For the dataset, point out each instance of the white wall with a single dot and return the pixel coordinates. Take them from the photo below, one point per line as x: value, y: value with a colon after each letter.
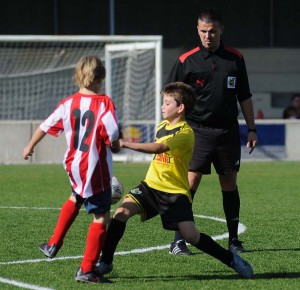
x: 15, y: 135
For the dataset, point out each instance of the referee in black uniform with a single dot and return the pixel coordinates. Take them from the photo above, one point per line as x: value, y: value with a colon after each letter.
x: 218, y: 75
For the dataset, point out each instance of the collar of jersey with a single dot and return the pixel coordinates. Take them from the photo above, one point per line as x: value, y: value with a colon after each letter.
x: 206, y: 53
x: 170, y: 127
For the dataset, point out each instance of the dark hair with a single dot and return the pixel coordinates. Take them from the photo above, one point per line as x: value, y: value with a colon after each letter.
x: 295, y: 96
x: 182, y: 94
x: 210, y: 15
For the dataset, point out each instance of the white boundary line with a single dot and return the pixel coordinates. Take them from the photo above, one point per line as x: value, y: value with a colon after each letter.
x: 241, y: 229
x: 22, y: 285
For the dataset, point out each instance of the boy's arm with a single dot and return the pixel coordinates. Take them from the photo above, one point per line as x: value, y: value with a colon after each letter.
x: 152, y: 148
x: 115, y: 146
x: 38, y: 135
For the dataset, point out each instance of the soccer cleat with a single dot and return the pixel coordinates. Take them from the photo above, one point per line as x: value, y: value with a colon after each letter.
x: 104, y: 268
x: 49, y: 251
x: 179, y: 248
x: 236, y: 246
x: 242, y: 267
x: 90, y: 277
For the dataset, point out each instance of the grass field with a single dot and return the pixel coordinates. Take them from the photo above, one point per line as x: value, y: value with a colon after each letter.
x: 31, y: 196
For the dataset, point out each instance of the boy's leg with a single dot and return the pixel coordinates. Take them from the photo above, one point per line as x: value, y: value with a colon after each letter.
x: 206, y: 244
x: 178, y: 246
x: 95, y: 238
x: 209, y: 246
x: 68, y: 214
x: 114, y: 234
x: 94, y: 243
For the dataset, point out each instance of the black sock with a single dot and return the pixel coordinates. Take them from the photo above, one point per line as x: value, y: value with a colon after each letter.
x: 178, y: 235
x: 231, y: 206
x: 114, y: 234
x: 193, y: 192
x: 210, y: 247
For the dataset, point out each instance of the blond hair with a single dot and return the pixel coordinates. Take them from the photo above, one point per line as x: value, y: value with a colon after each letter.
x: 87, y: 70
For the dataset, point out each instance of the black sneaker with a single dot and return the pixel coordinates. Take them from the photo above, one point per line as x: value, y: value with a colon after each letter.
x: 92, y: 277
x: 179, y: 248
x: 104, y: 268
x: 49, y: 251
x: 236, y: 246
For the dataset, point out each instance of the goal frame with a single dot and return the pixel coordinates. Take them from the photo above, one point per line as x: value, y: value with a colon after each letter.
x: 111, y: 42
x: 158, y: 69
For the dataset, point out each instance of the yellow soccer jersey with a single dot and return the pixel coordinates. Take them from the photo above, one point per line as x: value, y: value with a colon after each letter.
x: 168, y: 171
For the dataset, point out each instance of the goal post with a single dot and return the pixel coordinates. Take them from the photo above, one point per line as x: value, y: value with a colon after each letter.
x: 36, y: 73
x: 135, y: 89
x: 132, y: 51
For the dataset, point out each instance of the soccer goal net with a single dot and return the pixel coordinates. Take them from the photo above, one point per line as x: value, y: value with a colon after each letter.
x: 36, y: 73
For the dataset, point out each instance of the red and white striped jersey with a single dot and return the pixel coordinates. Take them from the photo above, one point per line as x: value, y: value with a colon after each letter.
x: 90, y: 125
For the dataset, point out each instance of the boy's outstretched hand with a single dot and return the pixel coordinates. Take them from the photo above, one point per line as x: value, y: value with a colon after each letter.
x: 27, y: 152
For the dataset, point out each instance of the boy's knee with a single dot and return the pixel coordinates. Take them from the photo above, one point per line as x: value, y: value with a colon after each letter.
x: 122, y: 214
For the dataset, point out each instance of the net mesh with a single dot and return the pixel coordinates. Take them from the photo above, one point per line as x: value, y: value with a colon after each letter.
x: 36, y: 74
x: 133, y: 91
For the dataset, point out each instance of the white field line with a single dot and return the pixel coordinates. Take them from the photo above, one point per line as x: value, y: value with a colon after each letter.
x: 22, y: 285
x: 241, y: 229
x: 28, y: 207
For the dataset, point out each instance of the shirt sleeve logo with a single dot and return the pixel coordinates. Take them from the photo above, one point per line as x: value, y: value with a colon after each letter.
x: 231, y: 82
x: 200, y: 82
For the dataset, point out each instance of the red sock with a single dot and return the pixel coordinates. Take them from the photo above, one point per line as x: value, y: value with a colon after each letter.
x: 94, y: 243
x: 68, y: 214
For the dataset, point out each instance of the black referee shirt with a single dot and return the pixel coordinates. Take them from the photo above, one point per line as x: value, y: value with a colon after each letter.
x: 219, y: 79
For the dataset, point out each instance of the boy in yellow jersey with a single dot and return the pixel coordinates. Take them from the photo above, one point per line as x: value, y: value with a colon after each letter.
x: 165, y: 190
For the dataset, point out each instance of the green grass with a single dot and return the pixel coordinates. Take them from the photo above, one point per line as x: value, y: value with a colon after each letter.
x: 270, y: 195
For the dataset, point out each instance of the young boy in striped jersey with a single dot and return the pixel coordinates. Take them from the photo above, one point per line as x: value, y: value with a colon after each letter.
x: 89, y: 122
x: 165, y: 190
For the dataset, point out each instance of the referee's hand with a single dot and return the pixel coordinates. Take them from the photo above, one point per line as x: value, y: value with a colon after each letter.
x: 252, y: 141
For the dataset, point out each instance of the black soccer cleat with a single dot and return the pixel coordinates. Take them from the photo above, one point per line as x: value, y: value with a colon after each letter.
x: 236, y: 246
x: 49, y: 251
x: 104, y: 268
x: 92, y: 277
x: 179, y: 248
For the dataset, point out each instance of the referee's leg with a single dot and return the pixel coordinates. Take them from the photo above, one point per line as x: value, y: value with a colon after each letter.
x: 231, y: 206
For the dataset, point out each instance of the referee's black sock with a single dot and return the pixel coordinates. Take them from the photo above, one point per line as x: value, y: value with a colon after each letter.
x: 178, y: 235
x: 114, y: 234
x: 210, y: 247
x: 231, y: 206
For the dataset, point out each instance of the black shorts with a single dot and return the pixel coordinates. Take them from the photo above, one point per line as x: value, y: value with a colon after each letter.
x: 220, y: 147
x: 172, y: 208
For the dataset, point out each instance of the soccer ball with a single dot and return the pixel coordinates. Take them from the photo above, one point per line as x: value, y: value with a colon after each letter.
x: 116, y: 190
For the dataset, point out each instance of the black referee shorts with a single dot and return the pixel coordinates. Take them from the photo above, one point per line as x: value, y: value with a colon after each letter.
x: 172, y: 208
x: 220, y: 147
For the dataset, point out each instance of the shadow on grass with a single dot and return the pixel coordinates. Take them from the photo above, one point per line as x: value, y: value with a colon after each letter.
x: 261, y: 276
x: 272, y: 250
